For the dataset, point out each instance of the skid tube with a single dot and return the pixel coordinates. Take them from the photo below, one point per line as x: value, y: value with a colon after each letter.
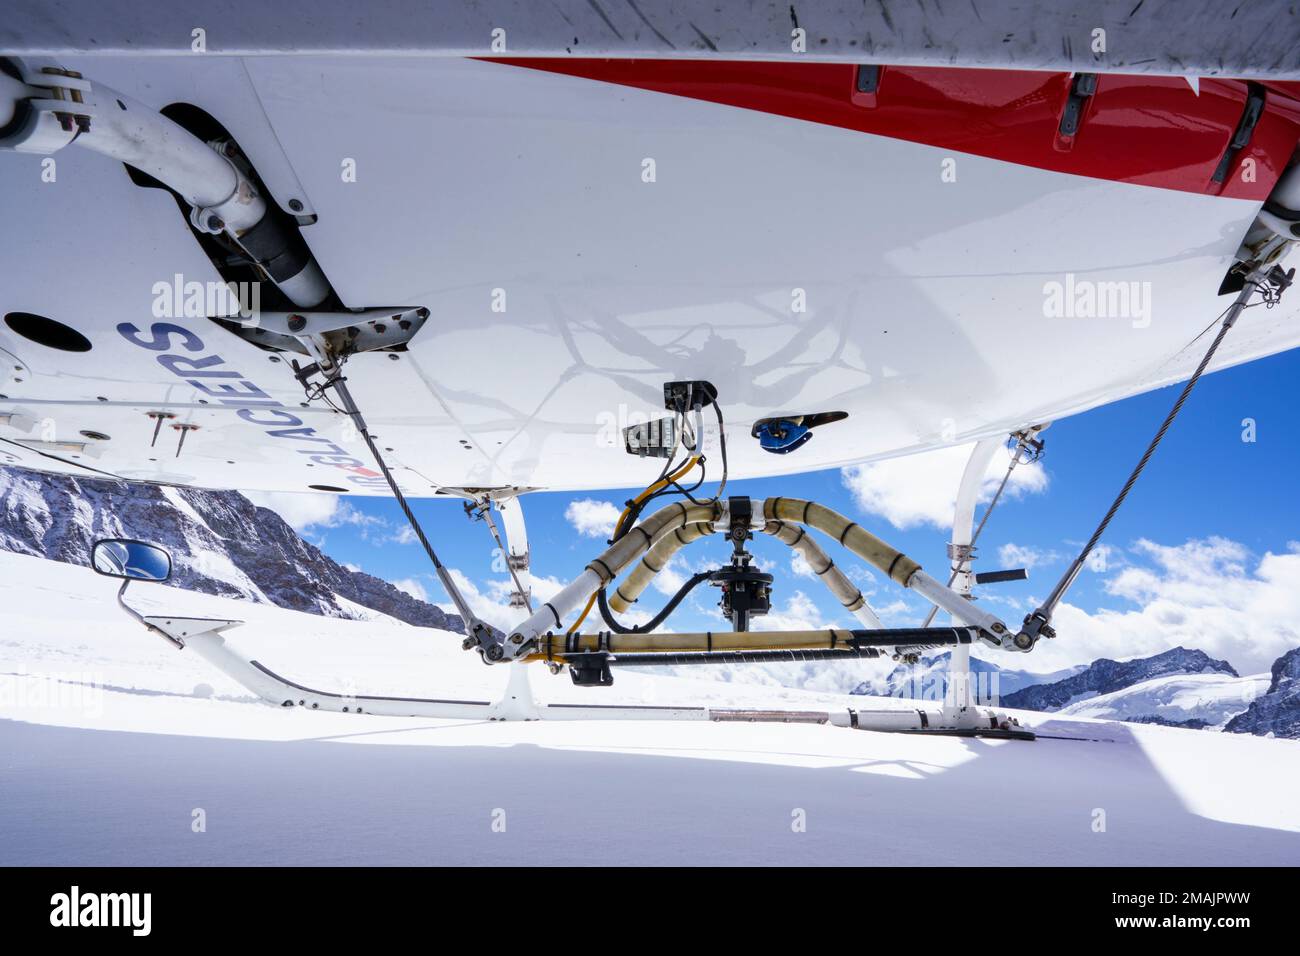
x: 206, y: 638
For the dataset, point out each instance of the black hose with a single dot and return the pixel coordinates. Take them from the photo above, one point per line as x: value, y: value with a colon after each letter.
x: 744, y: 657
x: 659, y: 618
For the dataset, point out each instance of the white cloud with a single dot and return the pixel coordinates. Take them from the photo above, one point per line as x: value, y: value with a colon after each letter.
x: 591, y: 518
x: 899, y: 613
x: 799, y: 614
x: 1025, y: 556
x: 922, y: 488
x: 800, y: 567
x: 299, y: 510
x: 1101, y: 559
x: 492, y: 601
x: 672, y: 576
x: 413, y: 587
x: 303, y: 512
x: 861, y: 576
x: 372, y: 527
x: 543, y: 588
x: 1204, y: 594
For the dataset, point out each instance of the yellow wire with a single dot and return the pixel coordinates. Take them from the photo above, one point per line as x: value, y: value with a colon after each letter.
x: 583, y: 616
x: 657, y: 486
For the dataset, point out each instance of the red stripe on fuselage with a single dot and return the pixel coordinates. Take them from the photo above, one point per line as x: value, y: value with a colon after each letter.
x: 1146, y: 130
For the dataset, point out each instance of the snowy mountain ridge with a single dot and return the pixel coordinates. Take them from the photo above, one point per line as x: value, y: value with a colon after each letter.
x: 1197, y: 701
x: 1177, y: 688
x: 221, y: 544
x: 1105, y: 676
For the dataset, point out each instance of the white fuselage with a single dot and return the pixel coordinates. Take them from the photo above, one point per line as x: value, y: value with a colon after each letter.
x: 934, y: 295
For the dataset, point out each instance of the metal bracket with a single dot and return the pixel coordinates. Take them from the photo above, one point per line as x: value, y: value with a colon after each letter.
x: 1250, y: 116
x: 961, y: 553
x: 1082, y: 88
x: 341, y: 333
x: 53, y: 118
x: 866, y: 85
x: 590, y: 670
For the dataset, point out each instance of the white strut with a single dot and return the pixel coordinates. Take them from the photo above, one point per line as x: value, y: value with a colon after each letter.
x: 959, y: 700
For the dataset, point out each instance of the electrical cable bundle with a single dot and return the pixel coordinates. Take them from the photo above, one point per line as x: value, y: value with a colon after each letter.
x: 668, y: 483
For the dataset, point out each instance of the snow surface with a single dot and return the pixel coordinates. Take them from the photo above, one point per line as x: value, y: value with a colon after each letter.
x: 1214, y: 698
x: 111, y: 741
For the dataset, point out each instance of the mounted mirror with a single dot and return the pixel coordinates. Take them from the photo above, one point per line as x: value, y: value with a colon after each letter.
x: 133, y: 560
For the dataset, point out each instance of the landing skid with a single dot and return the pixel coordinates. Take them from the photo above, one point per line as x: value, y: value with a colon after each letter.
x: 590, y: 655
x: 205, y: 637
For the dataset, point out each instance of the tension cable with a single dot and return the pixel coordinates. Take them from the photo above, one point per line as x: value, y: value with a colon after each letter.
x: 478, y: 633
x: 1271, y: 284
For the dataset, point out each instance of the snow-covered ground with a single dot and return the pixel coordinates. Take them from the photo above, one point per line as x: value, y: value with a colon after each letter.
x: 113, y: 745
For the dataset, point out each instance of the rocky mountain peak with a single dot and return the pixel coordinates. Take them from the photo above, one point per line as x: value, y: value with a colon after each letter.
x: 1278, y: 711
x: 221, y: 543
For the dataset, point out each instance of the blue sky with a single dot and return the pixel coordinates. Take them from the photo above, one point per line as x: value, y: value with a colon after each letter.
x: 1203, y: 553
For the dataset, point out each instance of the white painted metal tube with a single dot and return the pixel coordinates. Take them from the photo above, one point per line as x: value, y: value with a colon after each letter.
x: 961, y: 609
x: 221, y: 197
x: 277, y: 690
x: 930, y: 719
x: 516, y: 535
x: 204, y: 638
x: 551, y: 615
x: 867, y: 617
x: 968, y: 491
x: 140, y: 136
x: 959, y: 692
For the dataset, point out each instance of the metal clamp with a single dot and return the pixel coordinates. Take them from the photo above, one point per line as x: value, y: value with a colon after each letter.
x: 961, y: 554
x: 54, y: 116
